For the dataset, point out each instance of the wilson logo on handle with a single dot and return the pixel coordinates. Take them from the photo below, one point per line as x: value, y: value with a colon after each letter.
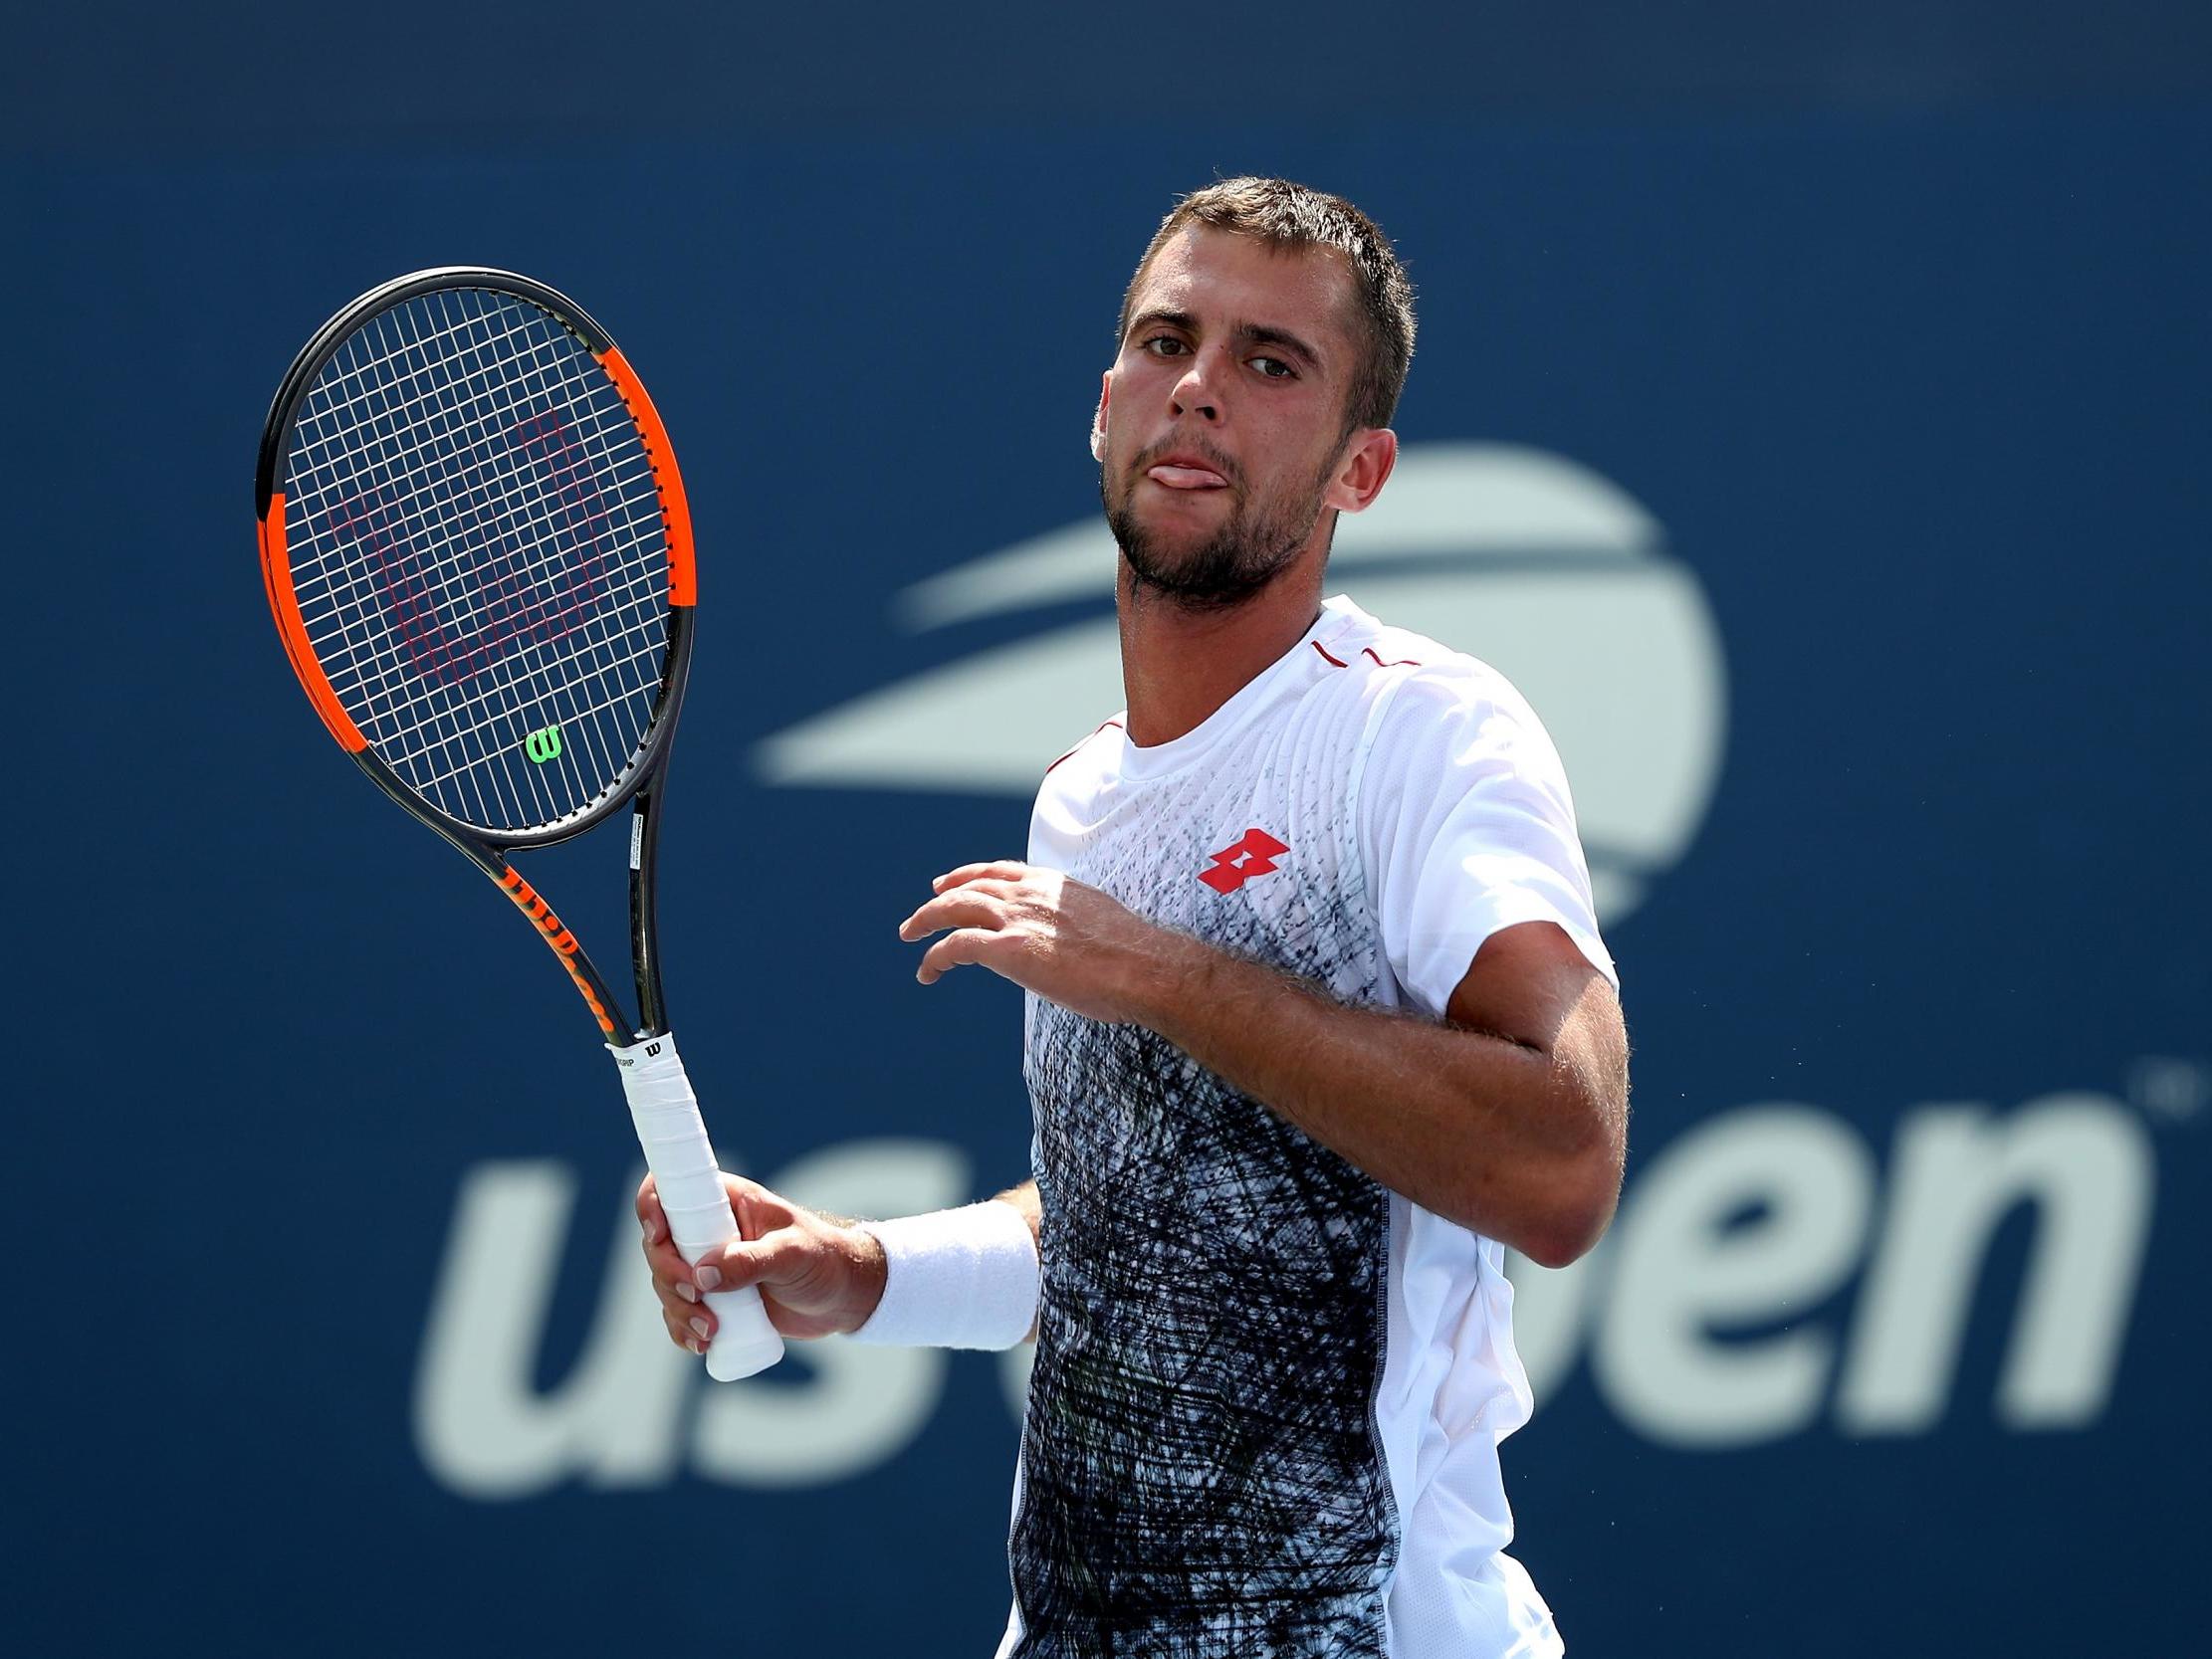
x: 543, y: 744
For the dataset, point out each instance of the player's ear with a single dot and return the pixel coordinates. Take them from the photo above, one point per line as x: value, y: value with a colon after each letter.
x: 1098, y: 420
x: 1367, y: 461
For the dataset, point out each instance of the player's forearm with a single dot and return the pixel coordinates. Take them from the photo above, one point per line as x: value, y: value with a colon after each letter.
x: 1515, y: 1142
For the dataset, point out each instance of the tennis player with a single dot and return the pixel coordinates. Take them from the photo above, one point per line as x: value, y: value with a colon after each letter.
x: 1318, y: 1023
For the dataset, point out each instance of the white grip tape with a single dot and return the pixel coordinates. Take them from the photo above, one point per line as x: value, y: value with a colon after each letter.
x: 682, y: 1159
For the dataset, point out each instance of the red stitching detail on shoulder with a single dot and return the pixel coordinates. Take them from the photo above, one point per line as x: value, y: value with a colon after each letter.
x: 1071, y: 753
x: 1403, y: 662
x: 1335, y: 662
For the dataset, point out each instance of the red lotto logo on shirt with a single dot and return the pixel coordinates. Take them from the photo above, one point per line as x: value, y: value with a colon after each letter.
x: 1237, y: 863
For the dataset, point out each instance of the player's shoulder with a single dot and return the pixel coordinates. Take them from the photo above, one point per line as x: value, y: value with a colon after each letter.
x: 1091, y: 749
x: 1403, y: 676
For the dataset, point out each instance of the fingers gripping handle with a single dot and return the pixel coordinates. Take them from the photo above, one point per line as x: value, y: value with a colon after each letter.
x: 677, y: 1151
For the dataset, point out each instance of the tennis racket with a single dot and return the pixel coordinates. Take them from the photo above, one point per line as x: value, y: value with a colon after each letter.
x: 479, y: 556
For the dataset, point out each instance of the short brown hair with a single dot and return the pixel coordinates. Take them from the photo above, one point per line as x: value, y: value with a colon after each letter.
x: 1289, y: 216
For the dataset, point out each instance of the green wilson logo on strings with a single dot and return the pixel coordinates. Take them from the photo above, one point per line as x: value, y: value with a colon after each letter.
x: 543, y: 744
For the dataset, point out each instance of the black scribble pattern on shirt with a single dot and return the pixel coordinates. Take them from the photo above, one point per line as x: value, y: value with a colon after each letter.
x: 1201, y: 1478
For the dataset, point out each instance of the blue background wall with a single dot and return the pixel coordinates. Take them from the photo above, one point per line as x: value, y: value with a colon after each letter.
x: 1897, y: 331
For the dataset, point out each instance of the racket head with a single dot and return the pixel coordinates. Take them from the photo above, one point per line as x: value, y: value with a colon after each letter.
x: 478, y: 553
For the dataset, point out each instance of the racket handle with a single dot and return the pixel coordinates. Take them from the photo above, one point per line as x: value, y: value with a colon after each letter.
x: 677, y: 1152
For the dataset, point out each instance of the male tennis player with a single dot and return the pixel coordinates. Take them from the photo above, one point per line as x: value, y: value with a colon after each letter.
x: 1319, y: 1021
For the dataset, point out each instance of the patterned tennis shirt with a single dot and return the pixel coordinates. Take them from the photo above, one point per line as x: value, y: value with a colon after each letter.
x: 1268, y: 1394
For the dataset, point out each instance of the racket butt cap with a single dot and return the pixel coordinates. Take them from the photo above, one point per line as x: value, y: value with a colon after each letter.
x: 729, y: 1362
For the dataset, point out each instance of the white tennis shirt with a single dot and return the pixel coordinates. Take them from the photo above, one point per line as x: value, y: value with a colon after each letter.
x: 1268, y: 1393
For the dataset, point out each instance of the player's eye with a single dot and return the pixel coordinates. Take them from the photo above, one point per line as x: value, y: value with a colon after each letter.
x: 1273, y: 368
x: 1163, y: 345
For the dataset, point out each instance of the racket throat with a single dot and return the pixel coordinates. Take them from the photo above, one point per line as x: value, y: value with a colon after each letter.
x: 562, y: 942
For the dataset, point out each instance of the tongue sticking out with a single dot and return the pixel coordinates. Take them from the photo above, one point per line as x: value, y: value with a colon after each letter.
x: 1187, y: 478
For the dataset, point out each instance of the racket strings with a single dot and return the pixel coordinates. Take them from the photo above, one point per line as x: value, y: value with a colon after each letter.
x: 431, y: 434
x: 440, y: 720
x: 410, y: 594
x: 401, y: 700
x: 408, y: 603
x: 372, y: 379
x: 479, y: 557
x: 432, y: 724
x: 414, y: 593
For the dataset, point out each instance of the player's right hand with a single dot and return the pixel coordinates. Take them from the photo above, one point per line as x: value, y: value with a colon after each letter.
x: 818, y: 1277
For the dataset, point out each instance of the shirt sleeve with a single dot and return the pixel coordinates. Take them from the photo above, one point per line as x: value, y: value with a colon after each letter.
x: 1468, y: 827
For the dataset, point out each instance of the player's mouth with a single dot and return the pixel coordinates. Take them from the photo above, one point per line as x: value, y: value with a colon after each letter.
x: 1184, y: 472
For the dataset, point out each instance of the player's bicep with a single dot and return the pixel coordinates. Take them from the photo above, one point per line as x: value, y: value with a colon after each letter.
x: 1530, y: 983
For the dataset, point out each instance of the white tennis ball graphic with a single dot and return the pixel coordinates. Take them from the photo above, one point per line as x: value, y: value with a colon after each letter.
x: 1540, y: 567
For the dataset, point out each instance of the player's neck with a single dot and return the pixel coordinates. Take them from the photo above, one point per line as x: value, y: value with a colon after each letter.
x: 1177, y: 665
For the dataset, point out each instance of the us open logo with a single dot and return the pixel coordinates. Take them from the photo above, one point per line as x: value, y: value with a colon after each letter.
x: 1539, y: 566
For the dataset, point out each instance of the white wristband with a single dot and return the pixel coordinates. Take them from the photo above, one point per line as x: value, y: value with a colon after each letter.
x: 965, y: 1278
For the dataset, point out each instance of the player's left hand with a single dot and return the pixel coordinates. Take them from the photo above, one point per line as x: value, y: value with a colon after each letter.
x: 1070, y: 943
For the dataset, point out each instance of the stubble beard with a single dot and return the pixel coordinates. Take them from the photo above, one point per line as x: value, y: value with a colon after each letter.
x: 1239, y: 559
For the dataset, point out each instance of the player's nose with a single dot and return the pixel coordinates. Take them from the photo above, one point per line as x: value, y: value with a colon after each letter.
x: 1199, y: 392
